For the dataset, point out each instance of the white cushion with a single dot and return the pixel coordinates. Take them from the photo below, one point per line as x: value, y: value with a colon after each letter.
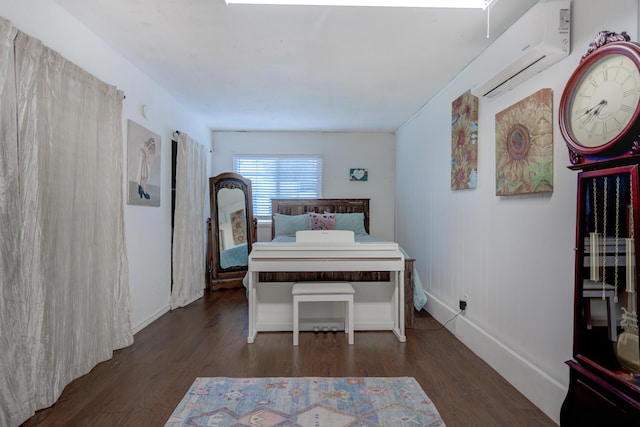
x: 326, y: 288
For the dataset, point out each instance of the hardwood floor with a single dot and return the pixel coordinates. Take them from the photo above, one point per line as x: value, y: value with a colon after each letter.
x: 142, y: 384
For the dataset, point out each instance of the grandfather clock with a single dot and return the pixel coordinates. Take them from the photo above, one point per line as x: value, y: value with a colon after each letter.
x: 600, y: 122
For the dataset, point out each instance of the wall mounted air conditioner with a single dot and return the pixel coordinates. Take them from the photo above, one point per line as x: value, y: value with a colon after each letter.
x: 540, y: 38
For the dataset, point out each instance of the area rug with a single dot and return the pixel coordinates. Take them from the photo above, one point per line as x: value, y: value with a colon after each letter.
x: 308, y: 401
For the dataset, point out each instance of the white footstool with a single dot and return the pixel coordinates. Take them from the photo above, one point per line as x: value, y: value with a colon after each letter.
x: 320, y: 292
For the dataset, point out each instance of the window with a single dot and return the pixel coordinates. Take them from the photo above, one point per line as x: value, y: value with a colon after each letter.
x: 277, y: 176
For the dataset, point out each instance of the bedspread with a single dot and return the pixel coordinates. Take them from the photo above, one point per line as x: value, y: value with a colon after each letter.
x: 236, y: 256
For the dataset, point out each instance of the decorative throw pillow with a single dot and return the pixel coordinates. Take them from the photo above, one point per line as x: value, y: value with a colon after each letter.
x: 351, y: 221
x: 287, y: 225
x: 324, y: 221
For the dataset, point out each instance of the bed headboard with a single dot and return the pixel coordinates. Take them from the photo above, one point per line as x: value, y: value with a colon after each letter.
x: 302, y: 206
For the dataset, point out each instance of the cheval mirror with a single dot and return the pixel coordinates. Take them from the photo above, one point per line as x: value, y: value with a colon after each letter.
x: 231, y: 230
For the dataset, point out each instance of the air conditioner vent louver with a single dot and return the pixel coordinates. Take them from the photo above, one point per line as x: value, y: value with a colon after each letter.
x: 493, y: 92
x: 529, y: 46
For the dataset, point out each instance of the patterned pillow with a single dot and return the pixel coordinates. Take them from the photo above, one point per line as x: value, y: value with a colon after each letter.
x: 324, y: 221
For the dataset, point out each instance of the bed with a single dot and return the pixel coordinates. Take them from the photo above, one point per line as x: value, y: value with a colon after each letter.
x: 290, y: 215
x: 234, y: 257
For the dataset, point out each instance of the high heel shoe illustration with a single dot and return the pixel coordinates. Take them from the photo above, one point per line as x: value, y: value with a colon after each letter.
x: 143, y: 193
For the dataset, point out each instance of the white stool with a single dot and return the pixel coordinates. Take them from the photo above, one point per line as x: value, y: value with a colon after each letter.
x: 320, y: 292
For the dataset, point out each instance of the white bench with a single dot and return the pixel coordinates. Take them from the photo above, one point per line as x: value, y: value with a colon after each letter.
x: 320, y: 292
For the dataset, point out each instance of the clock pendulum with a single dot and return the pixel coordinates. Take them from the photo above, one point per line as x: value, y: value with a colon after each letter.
x: 630, y: 247
x: 616, y: 256
x: 604, y: 234
x: 594, y: 239
x: 626, y: 348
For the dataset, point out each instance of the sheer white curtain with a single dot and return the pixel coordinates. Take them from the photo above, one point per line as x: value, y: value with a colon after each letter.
x: 70, y: 294
x: 189, y: 228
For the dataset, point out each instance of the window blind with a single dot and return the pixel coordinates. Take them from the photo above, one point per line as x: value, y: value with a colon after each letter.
x: 279, y: 176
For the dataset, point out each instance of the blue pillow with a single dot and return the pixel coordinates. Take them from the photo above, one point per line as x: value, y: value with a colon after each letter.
x: 351, y: 221
x: 287, y: 225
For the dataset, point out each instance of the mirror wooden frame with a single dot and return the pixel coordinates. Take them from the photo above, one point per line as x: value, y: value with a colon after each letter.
x: 227, y: 278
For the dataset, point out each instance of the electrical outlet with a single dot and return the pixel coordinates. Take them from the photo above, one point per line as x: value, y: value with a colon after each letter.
x: 463, y: 305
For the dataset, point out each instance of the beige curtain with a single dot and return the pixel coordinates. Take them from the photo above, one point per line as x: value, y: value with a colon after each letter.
x: 189, y: 229
x: 15, y: 363
x: 71, y: 296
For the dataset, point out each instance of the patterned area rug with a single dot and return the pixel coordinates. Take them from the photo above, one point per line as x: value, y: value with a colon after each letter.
x: 317, y: 402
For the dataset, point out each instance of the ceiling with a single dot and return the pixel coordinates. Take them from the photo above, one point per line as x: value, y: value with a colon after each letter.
x: 296, y: 68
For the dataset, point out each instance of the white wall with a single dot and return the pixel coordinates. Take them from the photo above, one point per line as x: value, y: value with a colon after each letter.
x: 513, y: 256
x: 148, y: 229
x: 340, y: 152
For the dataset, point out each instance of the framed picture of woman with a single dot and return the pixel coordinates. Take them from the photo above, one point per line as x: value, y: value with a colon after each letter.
x: 143, y: 169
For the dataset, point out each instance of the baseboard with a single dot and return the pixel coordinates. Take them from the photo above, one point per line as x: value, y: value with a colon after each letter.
x: 149, y: 320
x: 537, y: 386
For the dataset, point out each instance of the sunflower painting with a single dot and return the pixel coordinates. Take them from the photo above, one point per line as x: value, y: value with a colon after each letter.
x: 524, y: 146
x: 464, y: 142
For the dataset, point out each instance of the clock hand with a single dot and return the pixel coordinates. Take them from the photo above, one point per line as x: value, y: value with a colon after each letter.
x: 599, y: 107
x: 589, y: 110
x: 593, y: 112
x: 589, y: 117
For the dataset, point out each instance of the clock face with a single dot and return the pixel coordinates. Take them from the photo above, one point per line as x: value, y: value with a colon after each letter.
x: 604, y: 100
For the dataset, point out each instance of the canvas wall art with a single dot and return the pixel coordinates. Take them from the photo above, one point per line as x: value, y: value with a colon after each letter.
x: 239, y: 227
x: 464, y: 142
x: 143, y: 168
x: 524, y: 146
x: 358, y: 174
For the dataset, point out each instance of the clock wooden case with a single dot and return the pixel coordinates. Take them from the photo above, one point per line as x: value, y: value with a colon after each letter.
x: 600, y: 121
x: 599, y: 108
